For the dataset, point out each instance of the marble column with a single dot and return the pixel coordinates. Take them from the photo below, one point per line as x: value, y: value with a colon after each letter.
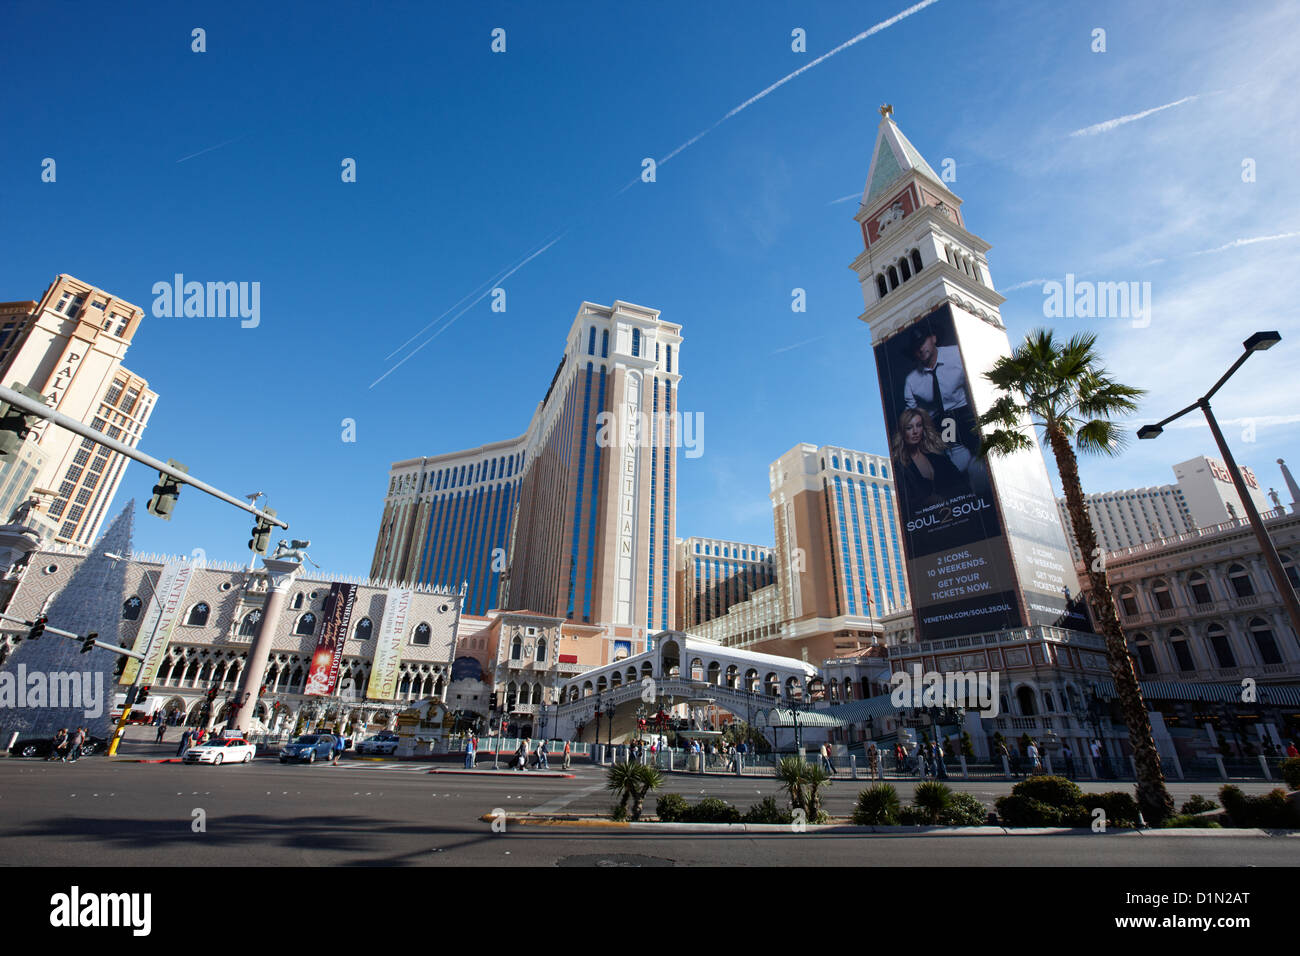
x: 281, y: 575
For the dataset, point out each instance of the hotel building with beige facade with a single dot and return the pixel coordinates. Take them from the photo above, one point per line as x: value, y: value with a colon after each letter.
x: 69, y: 345
x: 713, y: 575
x: 574, y: 519
x: 837, y: 561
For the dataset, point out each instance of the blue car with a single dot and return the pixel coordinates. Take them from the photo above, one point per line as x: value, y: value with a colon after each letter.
x: 308, y: 748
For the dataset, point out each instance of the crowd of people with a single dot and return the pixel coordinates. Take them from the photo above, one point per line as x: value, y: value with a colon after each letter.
x: 66, y: 747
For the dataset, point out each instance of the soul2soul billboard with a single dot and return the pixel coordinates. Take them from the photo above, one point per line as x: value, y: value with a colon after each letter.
x: 984, y: 544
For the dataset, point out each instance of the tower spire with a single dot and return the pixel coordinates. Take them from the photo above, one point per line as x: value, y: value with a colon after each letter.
x: 892, y: 157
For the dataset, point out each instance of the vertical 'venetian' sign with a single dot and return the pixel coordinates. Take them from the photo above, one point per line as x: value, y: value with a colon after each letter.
x: 156, y: 628
x: 328, y: 659
x: 388, y: 645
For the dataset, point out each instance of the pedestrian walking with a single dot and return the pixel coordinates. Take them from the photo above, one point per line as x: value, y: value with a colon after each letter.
x: 64, y: 744
x: 873, y: 761
x: 187, y: 739
x: 521, y: 755
x: 56, y: 744
x: 471, y: 751
x: 78, y: 741
x: 162, y: 732
x: 940, y: 768
x: 568, y: 754
x: 1035, y: 762
x: 542, y: 763
x: 826, y: 759
x: 1068, y: 756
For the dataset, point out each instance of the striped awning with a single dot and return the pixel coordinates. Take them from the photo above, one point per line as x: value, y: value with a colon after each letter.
x: 777, y: 717
x: 1281, y: 695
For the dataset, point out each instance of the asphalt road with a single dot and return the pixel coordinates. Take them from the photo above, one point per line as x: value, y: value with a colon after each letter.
x: 114, y: 812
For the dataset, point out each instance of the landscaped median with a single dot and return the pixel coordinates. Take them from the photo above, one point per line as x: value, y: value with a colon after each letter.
x: 1037, y: 806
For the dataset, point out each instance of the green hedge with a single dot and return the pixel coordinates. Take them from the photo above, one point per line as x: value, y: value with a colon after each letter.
x: 1270, y: 811
x: 1291, y: 772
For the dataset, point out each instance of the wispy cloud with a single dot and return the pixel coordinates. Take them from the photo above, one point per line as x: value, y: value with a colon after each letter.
x: 857, y: 196
x: 1259, y: 421
x: 1118, y: 121
x: 1025, y: 285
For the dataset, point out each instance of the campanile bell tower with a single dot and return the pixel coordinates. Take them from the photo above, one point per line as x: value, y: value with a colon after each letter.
x: 984, y: 543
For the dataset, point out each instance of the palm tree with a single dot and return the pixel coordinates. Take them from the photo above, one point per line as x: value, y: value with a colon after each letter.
x: 1064, y: 390
x: 791, y: 772
x: 632, y: 781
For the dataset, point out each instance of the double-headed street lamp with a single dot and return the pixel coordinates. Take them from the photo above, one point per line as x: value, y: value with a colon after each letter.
x: 1259, y: 342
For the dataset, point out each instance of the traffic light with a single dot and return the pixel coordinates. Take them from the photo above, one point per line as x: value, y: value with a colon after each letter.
x: 88, y: 644
x: 143, y: 695
x: 166, y: 492
x: 261, y: 539
x: 493, y: 702
x: 37, y: 628
x: 16, y: 423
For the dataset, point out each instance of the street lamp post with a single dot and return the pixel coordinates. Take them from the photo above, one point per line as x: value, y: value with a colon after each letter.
x: 1258, y: 342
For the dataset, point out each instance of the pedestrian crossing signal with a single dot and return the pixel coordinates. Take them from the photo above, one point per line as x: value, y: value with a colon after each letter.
x: 88, y: 644
x: 37, y: 628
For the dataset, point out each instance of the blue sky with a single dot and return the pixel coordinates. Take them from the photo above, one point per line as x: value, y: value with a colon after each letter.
x: 225, y: 166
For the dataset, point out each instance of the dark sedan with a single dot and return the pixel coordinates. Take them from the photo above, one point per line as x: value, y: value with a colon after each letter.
x: 41, y: 747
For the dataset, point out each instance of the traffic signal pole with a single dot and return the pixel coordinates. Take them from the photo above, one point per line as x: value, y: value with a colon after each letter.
x: 33, y: 407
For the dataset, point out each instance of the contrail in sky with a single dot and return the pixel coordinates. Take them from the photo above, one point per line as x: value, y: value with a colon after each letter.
x: 478, y: 299
x: 882, y: 25
x: 1110, y: 124
x: 211, y: 148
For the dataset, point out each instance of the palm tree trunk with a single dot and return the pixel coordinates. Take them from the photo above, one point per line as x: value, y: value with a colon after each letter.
x: 1153, y: 797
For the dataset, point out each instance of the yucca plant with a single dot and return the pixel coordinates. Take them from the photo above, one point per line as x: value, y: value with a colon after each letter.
x: 791, y: 773
x: 932, y: 798
x: 632, y: 782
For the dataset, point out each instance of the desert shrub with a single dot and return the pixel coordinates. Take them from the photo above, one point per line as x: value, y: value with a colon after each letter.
x: 1121, y: 809
x: 768, y: 811
x: 711, y: 810
x: 670, y: 807
x: 1188, y: 820
x: 1018, y: 810
x: 1053, y: 791
x: 878, y: 805
x: 932, y: 798
x: 1291, y: 772
x: 1198, y: 804
x: 1270, y: 810
x: 618, y: 812
x: 913, y: 817
x: 964, y: 810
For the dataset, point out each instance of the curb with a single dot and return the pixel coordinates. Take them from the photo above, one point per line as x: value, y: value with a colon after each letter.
x: 834, y: 828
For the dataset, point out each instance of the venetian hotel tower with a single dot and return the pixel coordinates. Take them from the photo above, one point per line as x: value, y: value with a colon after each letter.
x: 575, y: 518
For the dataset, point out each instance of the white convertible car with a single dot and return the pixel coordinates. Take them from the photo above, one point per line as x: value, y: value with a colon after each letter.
x: 225, y: 750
